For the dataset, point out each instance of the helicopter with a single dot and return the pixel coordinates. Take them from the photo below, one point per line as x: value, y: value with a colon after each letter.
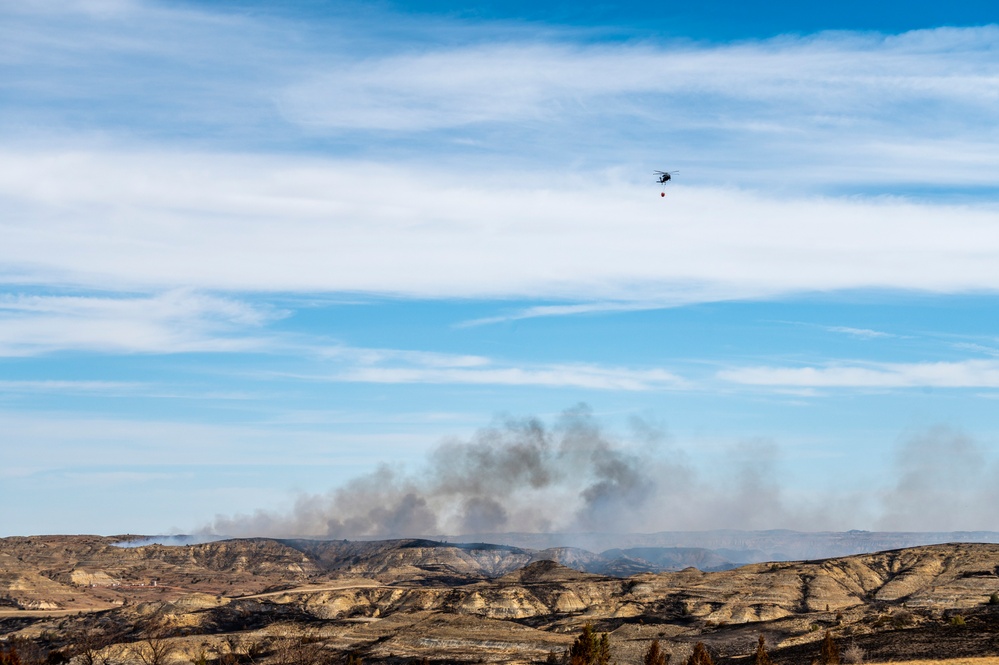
x: 663, y: 177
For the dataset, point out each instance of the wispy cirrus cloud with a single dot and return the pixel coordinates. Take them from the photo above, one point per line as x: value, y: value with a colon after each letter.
x: 823, y: 112
x: 172, y: 322
x: 862, y: 333
x: 875, y: 109
x: 185, y: 322
x: 824, y: 78
x: 63, y: 386
x: 850, y: 331
x: 127, y: 389
x: 430, y: 359
x: 93, y: 7
x: 958, y: 374
x: 401, y: 366
x: 593, y: 377
x: 981, y: 349
x: 432, y: 199
x: 66, y: 439
x: 540, y: 311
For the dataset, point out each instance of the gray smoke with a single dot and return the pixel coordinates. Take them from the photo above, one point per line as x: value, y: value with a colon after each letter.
x: 518, y: 474
x: 521, y: 475
x: 943, y: 480
x: 169, y: 541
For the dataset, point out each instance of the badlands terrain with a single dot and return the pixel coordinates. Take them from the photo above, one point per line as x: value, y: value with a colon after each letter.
x: 304, y: 601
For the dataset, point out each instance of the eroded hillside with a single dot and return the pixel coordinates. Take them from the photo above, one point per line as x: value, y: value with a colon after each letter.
x: 416, y: 599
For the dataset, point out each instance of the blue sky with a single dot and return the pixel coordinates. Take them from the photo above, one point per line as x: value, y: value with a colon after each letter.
x: 251, y: 251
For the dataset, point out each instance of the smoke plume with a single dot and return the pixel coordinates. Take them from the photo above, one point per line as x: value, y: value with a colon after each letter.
x: 943, y: 480
x: 521, y: 475
x: 517, y: 474
x: 128, y: 542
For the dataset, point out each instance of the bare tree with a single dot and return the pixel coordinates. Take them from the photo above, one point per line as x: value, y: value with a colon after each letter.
x: 155, y: 648
x: 89, y: 646
x: 237, y: 649
x: 301, y: 650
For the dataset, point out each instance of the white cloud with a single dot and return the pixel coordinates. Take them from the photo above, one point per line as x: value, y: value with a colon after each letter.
x: 863, y: 333
x: 216, y: 222
x: 829, y: 77
x: 66, y: 439
x: 56, y: 386
x: 423, y: 358
x: 102, y: 8
x: 568, y: 310
x: 172, y: 322
x: 962, y: 374
x: 398, y: 366
x: 821, y: 111
x: 980, y: 349
x: 129, y: 389
x: 860, y: 333
x: 184, y: 322
x: 551, y: 376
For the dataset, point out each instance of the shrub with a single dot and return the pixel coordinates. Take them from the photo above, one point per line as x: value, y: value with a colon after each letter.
x: 8, y: 655
x: 994, y: 598
x: 957, y: 620
x: 880, y: 621
x: 17, y: 650
x: 903, y: 619
x: 853, y: 654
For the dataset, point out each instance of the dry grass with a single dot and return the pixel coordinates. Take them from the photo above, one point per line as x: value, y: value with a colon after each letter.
x: 986, y: 660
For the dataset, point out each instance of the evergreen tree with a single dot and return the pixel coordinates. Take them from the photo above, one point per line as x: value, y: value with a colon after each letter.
x: 761, y: 657
x: 700, y: 656
x: 590, y: 649
x: 603, y: 650
x: 655, y: 655
x: 829, y: 655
